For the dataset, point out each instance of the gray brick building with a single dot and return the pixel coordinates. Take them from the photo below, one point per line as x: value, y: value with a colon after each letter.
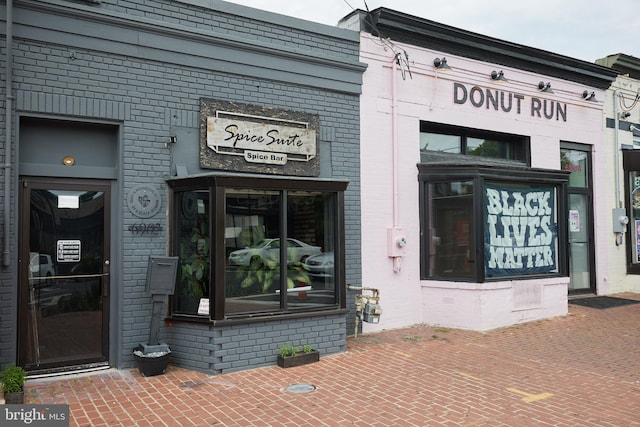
x: 112, y: 109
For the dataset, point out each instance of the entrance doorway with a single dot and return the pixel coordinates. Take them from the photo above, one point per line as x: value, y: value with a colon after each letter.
x: 576, y: 158
x: 64, y: 274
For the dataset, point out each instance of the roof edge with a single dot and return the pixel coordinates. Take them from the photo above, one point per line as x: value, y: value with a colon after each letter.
x: 410, y: 29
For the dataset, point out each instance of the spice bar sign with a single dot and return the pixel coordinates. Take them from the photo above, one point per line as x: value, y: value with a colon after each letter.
x: 261, y: 142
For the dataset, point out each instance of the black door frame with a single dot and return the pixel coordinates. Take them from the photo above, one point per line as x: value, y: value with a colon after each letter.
x: 27, y: 184
x: 586, y: 191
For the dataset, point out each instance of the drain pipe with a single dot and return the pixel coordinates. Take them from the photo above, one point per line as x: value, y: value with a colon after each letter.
x: 620, y: 219
x: 616, y: 121
x: 6, y: 258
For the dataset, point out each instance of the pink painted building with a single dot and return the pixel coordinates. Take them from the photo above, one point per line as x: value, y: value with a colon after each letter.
x: 479, y: 163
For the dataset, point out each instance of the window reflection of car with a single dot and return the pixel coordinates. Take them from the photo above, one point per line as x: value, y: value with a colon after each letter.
x: 269, y: 249
x: 41, y: 265
x: 320, y: 265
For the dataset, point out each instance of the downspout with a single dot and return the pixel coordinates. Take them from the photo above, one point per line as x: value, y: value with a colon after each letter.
x: 394, y: 141
x: 620, y: 219
x: 6, y: 258
x: 616, y: 121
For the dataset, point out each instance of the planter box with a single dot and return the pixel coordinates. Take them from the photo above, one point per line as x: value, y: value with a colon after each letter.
x: 299, y: 359
x: 16, y: 398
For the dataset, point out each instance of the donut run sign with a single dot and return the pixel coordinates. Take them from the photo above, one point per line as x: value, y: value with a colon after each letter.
x: 508, y: 102
x: 521, y: 231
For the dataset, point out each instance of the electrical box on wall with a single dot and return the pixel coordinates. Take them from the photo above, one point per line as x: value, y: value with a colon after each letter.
x: 620, y: 220
x: 396, y: 241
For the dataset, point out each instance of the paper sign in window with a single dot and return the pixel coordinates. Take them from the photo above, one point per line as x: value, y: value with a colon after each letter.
x: 68, y: 202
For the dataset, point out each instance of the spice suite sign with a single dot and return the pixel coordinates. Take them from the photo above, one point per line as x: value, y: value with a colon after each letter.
x: 260, y: 142
x: 253, y: 138
x: 521, y: 231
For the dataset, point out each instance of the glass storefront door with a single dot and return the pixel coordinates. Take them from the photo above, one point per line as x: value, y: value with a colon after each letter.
x: 64, y: 274
x: 577, y: 160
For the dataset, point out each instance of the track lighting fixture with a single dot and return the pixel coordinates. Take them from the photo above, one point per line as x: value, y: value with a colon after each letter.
x: 441, y: 64
x: 498, y: 76
x: 545, y: 87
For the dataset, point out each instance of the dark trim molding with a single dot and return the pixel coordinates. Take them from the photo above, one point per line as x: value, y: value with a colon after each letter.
x: 416, y: 31
x: 89, y: 27
x: 625, y: 64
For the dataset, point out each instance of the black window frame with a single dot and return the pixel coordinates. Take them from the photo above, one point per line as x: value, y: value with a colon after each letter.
x: 479, y: 174
x: 630, y: 162
x: 216, y: 184
x: 519, y: 143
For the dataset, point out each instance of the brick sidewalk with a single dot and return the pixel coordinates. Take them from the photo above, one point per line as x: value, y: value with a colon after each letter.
x: 582, y: 369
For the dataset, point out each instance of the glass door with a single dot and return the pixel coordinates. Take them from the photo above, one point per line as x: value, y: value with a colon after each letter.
x: 579, y: 225
x: 577, y: 160
x: 64, y: 274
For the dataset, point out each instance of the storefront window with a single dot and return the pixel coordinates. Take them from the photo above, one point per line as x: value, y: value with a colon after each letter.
x: 192, y: 236
x: 435, y: 137
x: 254, y: 246
x: 634, y: 220
x: 519, y: 220
x: 274, y: 249
x: 452, y: 248
x: 631, y: 162
x: 438, y: 142
x: 521, y: 229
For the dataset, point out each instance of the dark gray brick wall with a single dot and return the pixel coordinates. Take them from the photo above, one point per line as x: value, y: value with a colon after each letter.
x: 248, y: 23
x: 226, y: 349
x: 148, y: 98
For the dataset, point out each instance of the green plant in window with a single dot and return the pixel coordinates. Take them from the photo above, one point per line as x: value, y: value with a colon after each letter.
x: 266, y: 275
x: 194, y: 260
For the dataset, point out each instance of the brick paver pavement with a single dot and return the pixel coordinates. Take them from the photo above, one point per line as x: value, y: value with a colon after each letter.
x: 582, y: 369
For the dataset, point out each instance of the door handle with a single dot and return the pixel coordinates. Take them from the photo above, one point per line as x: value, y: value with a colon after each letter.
x: 105, y: 278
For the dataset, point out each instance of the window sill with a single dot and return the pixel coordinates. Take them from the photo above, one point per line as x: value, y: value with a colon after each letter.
x: 254, y: 318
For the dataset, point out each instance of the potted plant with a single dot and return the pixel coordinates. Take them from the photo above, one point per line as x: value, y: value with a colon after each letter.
x: 291, y: 356
x: 12, y: 378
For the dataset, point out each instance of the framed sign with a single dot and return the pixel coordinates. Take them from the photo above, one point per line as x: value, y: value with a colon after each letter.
x: 521, y: 231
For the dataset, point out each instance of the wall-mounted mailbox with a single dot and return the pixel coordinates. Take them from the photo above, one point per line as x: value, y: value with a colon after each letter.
x: 161, y: 275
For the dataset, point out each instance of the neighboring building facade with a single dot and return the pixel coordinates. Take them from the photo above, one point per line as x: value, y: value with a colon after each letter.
x: 192, y: 129
x: 622, y: 112
x: 482, y: 163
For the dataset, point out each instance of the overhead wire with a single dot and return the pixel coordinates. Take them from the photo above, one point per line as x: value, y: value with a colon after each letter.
x: 401, y: 56
x: 623, y: 105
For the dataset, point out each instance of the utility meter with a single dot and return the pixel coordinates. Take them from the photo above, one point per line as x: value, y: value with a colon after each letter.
x: 396, y: 242
x: 372, y: 312
x: 620, y: 220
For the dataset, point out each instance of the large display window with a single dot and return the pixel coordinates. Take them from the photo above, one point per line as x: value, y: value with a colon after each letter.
x: 631, y: 161
x: 257, y: 246
x: 487, y: 222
